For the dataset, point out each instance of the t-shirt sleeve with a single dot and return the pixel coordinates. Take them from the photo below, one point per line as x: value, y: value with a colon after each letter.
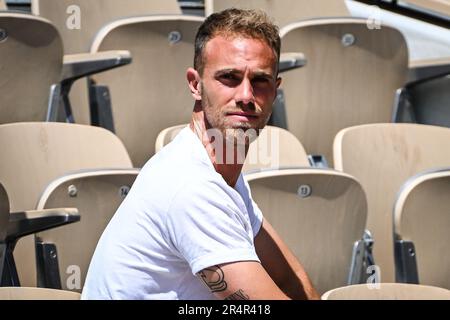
x: 208, y: 225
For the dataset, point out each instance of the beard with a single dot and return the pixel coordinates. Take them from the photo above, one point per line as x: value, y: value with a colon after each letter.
x: 235, y: 133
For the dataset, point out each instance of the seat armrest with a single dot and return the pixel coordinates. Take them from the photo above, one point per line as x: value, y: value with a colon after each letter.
x: 80, y: 65
x: 28, y: 222
x: 291, y: 60
x: 423, y: 70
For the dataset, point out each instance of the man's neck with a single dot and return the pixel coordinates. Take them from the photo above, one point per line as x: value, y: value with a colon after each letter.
x: 227, y: 161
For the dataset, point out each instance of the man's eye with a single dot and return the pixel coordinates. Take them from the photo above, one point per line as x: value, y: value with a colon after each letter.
x: 229, y: 77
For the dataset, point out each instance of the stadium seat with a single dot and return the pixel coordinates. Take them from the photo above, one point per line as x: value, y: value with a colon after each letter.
x: 97, y: 194
x: 275, y: 148
x: 30, y: 293
x: 320, y: 214
x: 3, y: 5
x: 36, y: 78
x: 35, y: 153
x: 284, y: 11
x: 421, y: 229
x: 350, y: 78
x: 79, y: 21
x: 151, y: 94
x: 382, y: 157
x: 15, y: 225
x: 31, y: 56
x: 426, y: 96
x: 387, y: 291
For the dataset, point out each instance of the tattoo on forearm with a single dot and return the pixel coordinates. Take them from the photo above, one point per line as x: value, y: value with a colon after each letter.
x: 238, y: 295
x: 216, y: 282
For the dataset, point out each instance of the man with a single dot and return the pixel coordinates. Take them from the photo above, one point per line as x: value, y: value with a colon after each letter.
x: 188, y: 229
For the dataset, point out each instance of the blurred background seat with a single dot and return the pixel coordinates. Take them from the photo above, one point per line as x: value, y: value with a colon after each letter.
x: 421, y: 225
x: 320, y: 214
x: 387, y: 291
x: 382, y: 157
x: 63, y: 255
x: 340, y: 84
x: 35, y: 153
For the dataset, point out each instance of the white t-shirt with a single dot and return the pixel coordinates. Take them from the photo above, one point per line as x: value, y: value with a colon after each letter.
x: 179, y: 217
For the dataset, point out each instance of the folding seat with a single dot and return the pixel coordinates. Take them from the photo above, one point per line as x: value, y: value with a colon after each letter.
x: 421, y: 229
x: 382, y: 157
x: 387, y: 291
x: 151, y: 94
x: 321, y: 215
x: 16, y: 225
x: 3, y: 5
x: 36, y: 78
x: 30, y: 62
x: 284, y: 11
x: 63, y: 255
x: 161, y: 47
x: 30, y: 293
x: 78, y: 21
x: 274, y: 148
x: 350, y: 78
x: 35, y: 153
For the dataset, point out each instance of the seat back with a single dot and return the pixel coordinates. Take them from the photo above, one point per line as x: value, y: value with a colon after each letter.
x: 421, y: 215
x: 340, y: 85
x: 387, y: 291
x: 151, y: 94
x: 30, y: 62
x: 382, y: 157
x: 314, y: 211
x: 274, y: 148
x: 35, y: 153
x: 97, y: 195
x: 3, y: 5
x: 284, y: 11
x: 27, y: 293
x: 79, y: 21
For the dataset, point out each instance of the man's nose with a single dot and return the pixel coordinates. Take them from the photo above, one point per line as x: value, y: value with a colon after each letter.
x: 245, y: 93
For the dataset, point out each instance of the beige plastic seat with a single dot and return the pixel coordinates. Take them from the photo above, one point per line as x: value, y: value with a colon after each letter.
x: 387, y: 291
x: 421, y: 229
x: 350, y: 78
x: 93, y: 16
x: 320, y: 213
x: 275, y: 148
x: 33, y: 154
x: 30, y: 62
x: 30, y: 293
x: 284, y: 11
x: 3, y: 5
x: 97, y: 194
x: 79, y: 21
x: 15, y: 225
x: 382, y: 157
x: 151, y: 94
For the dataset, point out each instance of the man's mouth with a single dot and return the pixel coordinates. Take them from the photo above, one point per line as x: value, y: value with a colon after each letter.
x: 242, y: 116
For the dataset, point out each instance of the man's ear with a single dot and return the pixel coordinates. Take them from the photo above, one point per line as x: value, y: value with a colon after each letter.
x: 278, y: 82
x: 193, y: 79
